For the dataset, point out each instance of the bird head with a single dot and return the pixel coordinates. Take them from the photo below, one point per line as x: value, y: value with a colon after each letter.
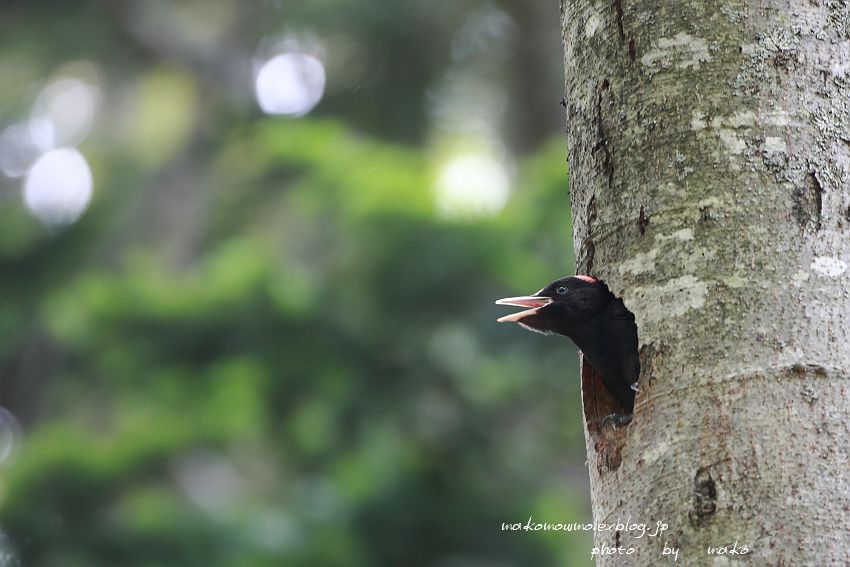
x: 562, y: 307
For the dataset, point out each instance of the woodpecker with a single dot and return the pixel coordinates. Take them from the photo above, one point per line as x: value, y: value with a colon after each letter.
x: 584, y: 309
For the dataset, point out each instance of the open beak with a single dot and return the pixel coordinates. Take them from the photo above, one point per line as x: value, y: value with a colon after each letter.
x: 533, y: 302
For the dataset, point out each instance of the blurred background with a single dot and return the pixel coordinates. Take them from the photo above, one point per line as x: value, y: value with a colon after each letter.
x: 249, y: 253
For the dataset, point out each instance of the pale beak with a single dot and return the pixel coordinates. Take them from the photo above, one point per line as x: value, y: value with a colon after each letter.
x: 534, y: 302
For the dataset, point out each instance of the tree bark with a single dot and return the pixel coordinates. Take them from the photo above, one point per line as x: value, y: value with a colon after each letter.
x: 710, y: 178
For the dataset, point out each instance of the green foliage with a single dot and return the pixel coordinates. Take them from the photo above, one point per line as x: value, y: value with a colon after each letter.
x: 336, y: 353
x: 263, y: 344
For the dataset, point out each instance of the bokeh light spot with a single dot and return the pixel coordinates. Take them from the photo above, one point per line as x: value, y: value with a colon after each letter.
x: 8, y: 556
x: 69, y: 105
x: 20, y: 146
x: 210, y: 481
x: 61, y: 116
x: 10, y: 435
x: 472, y: 185
x: 290, y: 84
x: 164, y: 113
x: 58, y: 187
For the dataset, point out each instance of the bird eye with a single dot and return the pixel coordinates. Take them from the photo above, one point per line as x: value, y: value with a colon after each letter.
x: 562, y: 290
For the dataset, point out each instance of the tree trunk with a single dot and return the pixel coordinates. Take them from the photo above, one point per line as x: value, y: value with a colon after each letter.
x: 710, y: 178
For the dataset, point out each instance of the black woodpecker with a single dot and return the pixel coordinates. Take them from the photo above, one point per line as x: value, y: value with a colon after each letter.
x: 584, y: 309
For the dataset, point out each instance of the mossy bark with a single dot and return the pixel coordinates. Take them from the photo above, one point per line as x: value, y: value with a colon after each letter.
x: 709, y: 153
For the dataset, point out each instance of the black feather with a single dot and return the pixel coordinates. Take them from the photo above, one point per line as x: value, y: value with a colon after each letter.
x: 586, y: 311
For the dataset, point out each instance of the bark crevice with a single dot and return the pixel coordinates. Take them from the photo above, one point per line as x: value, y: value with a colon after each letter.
x: 705, y: 498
